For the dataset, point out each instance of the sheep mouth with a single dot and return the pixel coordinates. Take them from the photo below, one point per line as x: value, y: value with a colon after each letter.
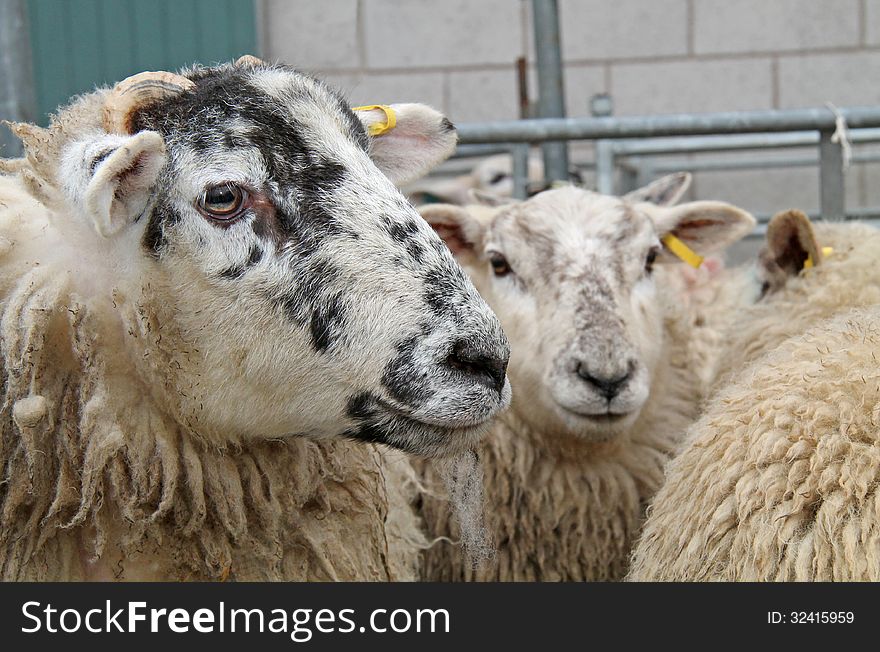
x: 386, y: 423
x: 608, y: 417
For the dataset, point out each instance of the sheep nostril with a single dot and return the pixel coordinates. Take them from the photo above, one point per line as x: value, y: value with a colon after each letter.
x: 609, y: 387
x: 478, y: 363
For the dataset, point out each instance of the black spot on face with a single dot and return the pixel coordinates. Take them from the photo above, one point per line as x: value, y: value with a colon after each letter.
x: 415, y: 250
x: 310, y: 297
x: 255, y: 256
x: 444, y: 290
x: 369, y: 432
x: 162, y: 217
x: 327, y: 324
x: 356, y: 126
x: 403, y: 378
x: 361, y: 406
x: 290, y: 306
x: 400, y: 231
x: 237, y: 271
x: 232, y: 273
x: 365, y: 410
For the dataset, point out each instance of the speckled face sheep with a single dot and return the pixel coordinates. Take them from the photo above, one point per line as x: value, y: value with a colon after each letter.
x: 571, y: 275
x: 601, y: 368
x: 194, y: 270
x: 307, y: 294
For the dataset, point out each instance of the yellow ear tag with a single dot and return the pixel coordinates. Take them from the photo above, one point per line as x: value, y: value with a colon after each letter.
x: 380, y: 128
x: 681, y: 250
x: 826, y: 251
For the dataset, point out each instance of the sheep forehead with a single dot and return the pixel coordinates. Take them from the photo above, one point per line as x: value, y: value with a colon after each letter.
x: 275, y: 108
x: 566, y: 230
x: 273, y: 128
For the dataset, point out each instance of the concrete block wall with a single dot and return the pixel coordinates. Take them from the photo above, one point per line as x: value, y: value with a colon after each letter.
x: 652, y: 56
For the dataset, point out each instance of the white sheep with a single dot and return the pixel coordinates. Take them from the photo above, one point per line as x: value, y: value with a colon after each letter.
x: 603, y: 378
x: 215, y: 305
x: 777, y: 480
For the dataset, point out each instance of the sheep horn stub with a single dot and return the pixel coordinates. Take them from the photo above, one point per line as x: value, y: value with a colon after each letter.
x: 136, y: 91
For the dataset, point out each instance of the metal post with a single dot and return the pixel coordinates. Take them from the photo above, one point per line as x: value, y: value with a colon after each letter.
x: 551, y: 97
x: 605, y: 166
x: 16, y: 73
x: 601, y: 106
x: 520, y: 154
x: 831, y: 187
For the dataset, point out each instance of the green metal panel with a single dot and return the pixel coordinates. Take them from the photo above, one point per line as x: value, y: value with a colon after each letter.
x: 80, y: 44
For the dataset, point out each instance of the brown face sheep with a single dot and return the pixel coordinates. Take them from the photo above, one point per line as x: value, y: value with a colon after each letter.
x: 216, y: 310
x: 603, y: 375
x: 778, y: 479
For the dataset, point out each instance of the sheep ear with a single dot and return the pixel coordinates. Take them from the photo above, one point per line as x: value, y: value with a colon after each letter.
x: 483, y: 198
x: 461, y: 230
x: 665, y: 191
x: 791, y: 242
x: 704, y: 226
x: 407, y: 140
x: 123, y: 178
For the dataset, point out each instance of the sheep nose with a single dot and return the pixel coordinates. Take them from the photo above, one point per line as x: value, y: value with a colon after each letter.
x: 607, y: 387
x: 479, y: 363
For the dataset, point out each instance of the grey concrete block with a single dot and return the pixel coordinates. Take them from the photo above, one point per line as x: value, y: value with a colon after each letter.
x: 483, y: 95
x: 312, y: 35
x: 845, y: 79
x: 691, y: 86
x: 778, y: 25
x: 872, y: 22
x: 450, y: 33
x: 597, y: 29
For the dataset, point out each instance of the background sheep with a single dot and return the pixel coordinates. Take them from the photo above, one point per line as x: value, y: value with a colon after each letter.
x: 493, y: 175
x: 796, y: 297
x: 604, y: 382
x: 780, y: 477
x: 776, y: 480
x: 191, y: 266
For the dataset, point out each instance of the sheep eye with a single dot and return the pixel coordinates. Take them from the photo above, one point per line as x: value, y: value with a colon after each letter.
x: 222, y: 202
x: 649, y: 261
x: 498, y: 177
x: 499, y: 265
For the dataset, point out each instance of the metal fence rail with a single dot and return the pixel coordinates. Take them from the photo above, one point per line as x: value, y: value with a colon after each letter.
x: 652, y: 126
x: 804, y: 126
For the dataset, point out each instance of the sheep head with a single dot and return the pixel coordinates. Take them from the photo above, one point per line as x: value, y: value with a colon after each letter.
x: 260, y: 210
x: 571, y: 274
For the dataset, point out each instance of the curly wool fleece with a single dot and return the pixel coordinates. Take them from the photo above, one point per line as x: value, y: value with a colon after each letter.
x: 780, y: 477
